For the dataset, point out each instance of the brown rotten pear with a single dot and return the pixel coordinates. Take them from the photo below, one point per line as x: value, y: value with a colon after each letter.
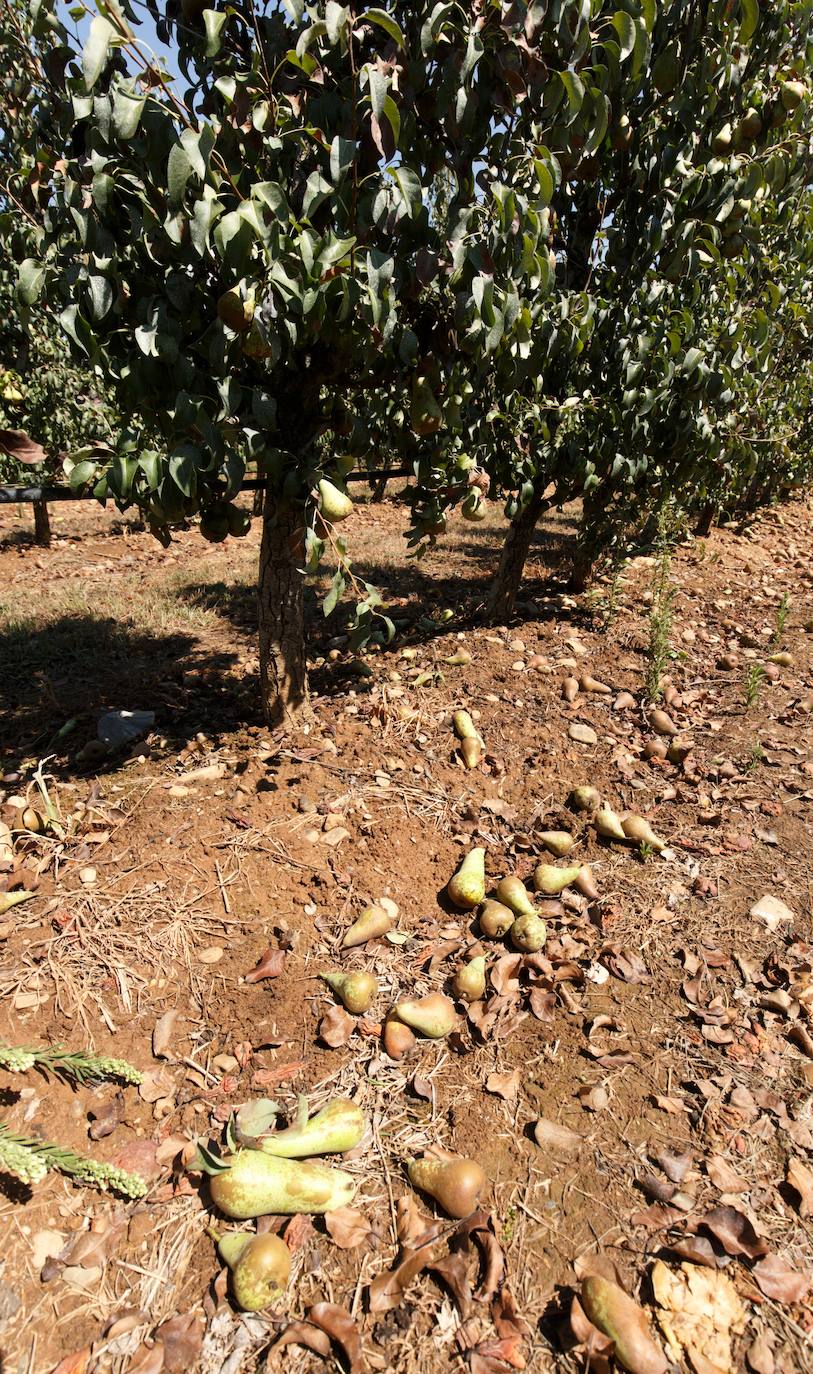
x: 398, y: 1039
x: 456, y: 1184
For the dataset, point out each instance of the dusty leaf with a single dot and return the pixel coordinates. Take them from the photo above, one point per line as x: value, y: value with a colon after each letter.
x: 673, y: 1105
x: 759, y: 1355
x: 182, y: 1338
x: 106, y: 1118
x: 337, y: 1323
x: 675, y: 1166
x: 387, y: 1290
x: 413, y: 1227
x: 148, y: 1359
x: 23, y: 449
x: 724, y: 1177
x: 543, y: 1004
x: 156, y: 1084
x: 299, y: 1232
x: 452, y: 1271
x: 302, y: 1333
x: 778, y: 1280
x: 699, y: 1312
x: 504, y: 974
x: 347, y: 1227
x: 336, y: 1027
x: 504, y: 1085
x: 800, y: 1179
x: 270, y: 965
x: 162, y: 1034
x: 595, y: 1099
x: 138, y: 1156
x: 735, y: 1232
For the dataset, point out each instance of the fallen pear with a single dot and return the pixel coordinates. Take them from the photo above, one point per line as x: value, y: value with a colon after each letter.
x: 10, y: 899
x: 464, y: 726
x: 585, y: 883
x: 513, y: 893
x: 471, y: 752
x: 655, y: 749
x: 585, y: 798
x: 334, y: 505
x: 662, y: 723
x: 467, y: 887
x: 679, y: 750
x: 528, y: 933
x: 355, y: 990
x: 459, y: 660
x: 455, y: 1184
x: 398, y: 1039
x: 782, y: 658
x: 495, y: 919
x: 591, y: 684
x: 559, y: 842
x: 470, y: 980
x: 552, y: 880
x: 433, y: 1016
x: 608, y: 825
x: 372, y: 922
x: 337, y: 1127
x: 637, y: 829
x: 260, y: 1268
x: 619, y: 1317
x: 255, y: 1184
x: 570, y: 689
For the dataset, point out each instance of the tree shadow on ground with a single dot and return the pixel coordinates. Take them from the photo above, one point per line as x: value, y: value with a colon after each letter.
x: 80, y: 666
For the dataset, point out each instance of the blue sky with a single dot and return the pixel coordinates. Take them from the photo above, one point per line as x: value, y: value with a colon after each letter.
x: 146, y: 32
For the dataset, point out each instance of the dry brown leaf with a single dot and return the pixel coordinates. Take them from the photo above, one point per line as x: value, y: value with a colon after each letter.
x: 491, y: 1357
x: 412, y: 1225
x: 387, y: 1290
x: 735, y: 1232
x: 675, y: 1166
x: 138, y: 1156
x: 148, y: 1359
x: 23, y: 449
x: 778, y: 1280
x: 480, y: 1226
x: 673, y: 1105
x: 724, y: 1177
x: 800, y: 1179
x: 700, y: 1312
x: 336, y: 1027
x: 543, y: 1004
x: 270, y: 965
x: 759, y: 1354
x: 299, y: 1232
x: 302, y: 1333
x: 503, y: 974
x: 698, y: 1249
x: 594, y: 1099
x: 106, y: 1118
x: 347, y: 1227
x: 155, y: 1084
x: 337, y: 1323
x: 280, y: 1073
x: 504, y: 1085
x: 162, y: 1034
x: 452, y: 1270
x: 182, y: 1338
x: 76, y: 1363
x: 551, y: 1135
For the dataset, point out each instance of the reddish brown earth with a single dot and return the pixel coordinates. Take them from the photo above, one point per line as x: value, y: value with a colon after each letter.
x: 661, y: 1017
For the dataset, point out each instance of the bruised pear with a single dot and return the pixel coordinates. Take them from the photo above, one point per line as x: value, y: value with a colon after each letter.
x: 471, y: 752
x: 467, y: 887
x: 260, y: 1268
x: 619, y: 1317
x: 608, y: 825
x: 514, y: 894
x: 585, y: 799
x: 559, y: 842
x: 256, y: 1184
x: 470, y: 980
x: 433, y: 1016
x: 552, y: 880
x: 398, y: 1038
x: 528, y: 933
x: 495, y: 919
x: 456, y: 1184
x: 640, y: 831
x: 338, y: 1127
x: 334, y: 505
x: 372, y: 922
x: 585, y: 883
x: 354, y: 990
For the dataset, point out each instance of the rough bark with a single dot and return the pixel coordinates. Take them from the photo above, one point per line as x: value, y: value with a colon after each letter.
x: 281, y: 606
x: 586, y: 549
x: 705, y: 521
x: 42, y: 525
x: 514, y: 552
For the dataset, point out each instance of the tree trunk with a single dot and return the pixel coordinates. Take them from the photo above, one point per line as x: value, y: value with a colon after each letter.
x: 281, y: 604
x: 42, y: 525
x: 586, y: 550
x: 378, y: 488
x: 705, y: 521
x: 508, y: 577
x: 257, y: 502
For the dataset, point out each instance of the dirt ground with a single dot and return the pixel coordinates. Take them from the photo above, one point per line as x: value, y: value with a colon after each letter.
x: 663, y: 1024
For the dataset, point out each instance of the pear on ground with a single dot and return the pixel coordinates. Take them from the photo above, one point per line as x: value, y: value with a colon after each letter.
x: 467, y: 887
x: 608, y: 825
x: 355, y: 990
x: 433, y: 1016
x: 559, y: 842
x: 495, y: 919
x: 470, y: 980
x: 456, y: 1184
x: 552, y: 880
x: 512, y: 892
x: 373, y: 922
x: 528, y: 933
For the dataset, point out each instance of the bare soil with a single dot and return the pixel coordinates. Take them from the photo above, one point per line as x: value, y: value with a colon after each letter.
x: 661, y: 1017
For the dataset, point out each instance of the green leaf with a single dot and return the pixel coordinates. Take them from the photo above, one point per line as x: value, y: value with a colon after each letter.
x: 96, y: 49
x: 335, y: 20
x: 384, y: 21
x: 101, y: 296
x: 574, y: 89
x: 29, y: 280
x: 198, y: 144
x: 342, y: 152
x: 296, y: 9
x: 625, y: 28
x: 749, y: 21
x: 379, y: 89
x: 127, y: 109
x: 392, y: 113
x: 183, y: 469
x: 409, y: 185
x: 213, y: 21
x: 179, y: 170
x: 474, y: 51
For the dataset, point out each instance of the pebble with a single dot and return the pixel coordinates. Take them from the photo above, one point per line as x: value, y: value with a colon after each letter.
x: 87, y: 876
x: 583, y: 734
x: 211, y: 955
x: 771, y: 911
